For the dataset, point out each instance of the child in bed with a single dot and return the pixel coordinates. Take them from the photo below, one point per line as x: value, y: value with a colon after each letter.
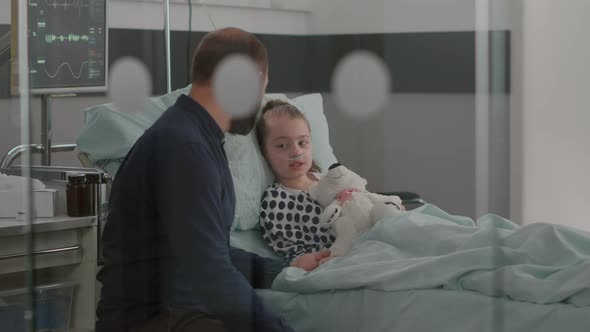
x: 289, y: 217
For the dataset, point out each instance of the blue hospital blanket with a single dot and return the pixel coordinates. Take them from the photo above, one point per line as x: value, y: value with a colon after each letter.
x: 428, y: 249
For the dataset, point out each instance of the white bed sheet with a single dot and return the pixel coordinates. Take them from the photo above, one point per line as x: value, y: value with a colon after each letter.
x: 416, y: 310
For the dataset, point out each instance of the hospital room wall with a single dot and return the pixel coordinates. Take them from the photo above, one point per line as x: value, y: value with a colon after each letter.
x: 147, y: 15
x: 543, y: 125
x: 539, y: 157
x: 553, y: 156
x: 423, y: 142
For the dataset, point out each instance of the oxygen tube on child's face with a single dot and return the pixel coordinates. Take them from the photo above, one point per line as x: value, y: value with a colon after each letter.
x: 293, y: 158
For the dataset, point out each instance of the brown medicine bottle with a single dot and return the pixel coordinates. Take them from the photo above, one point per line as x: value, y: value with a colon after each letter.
x: 78, y: 194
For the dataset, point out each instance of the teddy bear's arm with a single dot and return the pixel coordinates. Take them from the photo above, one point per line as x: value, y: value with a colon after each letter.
x: 395, y: 200
x: 330, y: 213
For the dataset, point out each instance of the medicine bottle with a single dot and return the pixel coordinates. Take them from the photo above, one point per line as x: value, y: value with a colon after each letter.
x: 78, y: 196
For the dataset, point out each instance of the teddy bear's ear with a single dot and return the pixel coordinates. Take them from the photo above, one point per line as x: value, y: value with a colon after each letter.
x: 334, y: 166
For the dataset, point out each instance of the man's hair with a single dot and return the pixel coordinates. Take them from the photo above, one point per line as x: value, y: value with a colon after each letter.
x: 218, y: 44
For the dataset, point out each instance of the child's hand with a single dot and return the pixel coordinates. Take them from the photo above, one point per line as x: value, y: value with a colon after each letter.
x: 310, y: 261
x: 345, y: 195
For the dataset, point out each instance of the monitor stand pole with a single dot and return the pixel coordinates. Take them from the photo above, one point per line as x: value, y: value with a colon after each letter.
x: 46, y: 126
x: 46, y: 129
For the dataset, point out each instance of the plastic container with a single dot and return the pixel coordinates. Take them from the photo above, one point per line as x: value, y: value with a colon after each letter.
x: 53, y: 307
x: 93, y: 181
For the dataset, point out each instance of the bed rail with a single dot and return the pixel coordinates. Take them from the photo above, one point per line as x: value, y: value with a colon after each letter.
x: 15, y: 152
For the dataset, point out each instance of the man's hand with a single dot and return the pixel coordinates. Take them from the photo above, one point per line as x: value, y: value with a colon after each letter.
x: 310, y: 261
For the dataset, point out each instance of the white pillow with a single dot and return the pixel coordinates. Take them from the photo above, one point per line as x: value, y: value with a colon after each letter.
x: 250, y: 175
x: 250, y: 172
x: 313, y: 108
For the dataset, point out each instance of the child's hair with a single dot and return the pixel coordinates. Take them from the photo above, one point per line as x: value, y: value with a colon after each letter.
x: 283, y: 108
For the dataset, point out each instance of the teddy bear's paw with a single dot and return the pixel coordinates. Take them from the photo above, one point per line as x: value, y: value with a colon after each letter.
x: 382, y: 210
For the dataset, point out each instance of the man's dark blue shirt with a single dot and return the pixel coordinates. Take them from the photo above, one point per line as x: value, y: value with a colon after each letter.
x: 166, y: 244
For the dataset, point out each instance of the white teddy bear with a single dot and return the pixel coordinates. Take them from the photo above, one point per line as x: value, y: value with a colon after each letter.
x: 349, y: 209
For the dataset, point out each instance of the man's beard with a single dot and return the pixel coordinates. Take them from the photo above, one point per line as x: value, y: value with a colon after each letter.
x: 243, y: 126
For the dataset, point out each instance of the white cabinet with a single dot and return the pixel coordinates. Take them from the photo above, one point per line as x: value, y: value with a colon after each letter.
x: 65, y: 250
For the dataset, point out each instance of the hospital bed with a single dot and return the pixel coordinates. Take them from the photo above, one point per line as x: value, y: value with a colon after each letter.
x: 108, y: 134
x: 437, y: 310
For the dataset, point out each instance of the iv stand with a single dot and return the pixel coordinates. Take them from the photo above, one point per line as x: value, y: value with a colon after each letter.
x: 46, y: 133
x: 46, y: 126
x: 167, y: 41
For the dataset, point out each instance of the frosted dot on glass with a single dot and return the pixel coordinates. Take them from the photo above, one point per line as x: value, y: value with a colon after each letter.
x: 237, y: 84
x: 129, y: 85
x: 361, y: 84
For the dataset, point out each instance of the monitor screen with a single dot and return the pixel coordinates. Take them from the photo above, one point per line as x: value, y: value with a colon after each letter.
x: 67, y: 45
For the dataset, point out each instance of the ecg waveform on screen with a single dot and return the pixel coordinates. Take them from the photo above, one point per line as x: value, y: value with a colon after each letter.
x: 66, y: 64
x: 65, y: 4
x: 51, y: 38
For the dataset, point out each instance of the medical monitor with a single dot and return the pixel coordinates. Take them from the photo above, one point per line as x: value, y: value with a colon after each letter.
x: 68, y: 43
